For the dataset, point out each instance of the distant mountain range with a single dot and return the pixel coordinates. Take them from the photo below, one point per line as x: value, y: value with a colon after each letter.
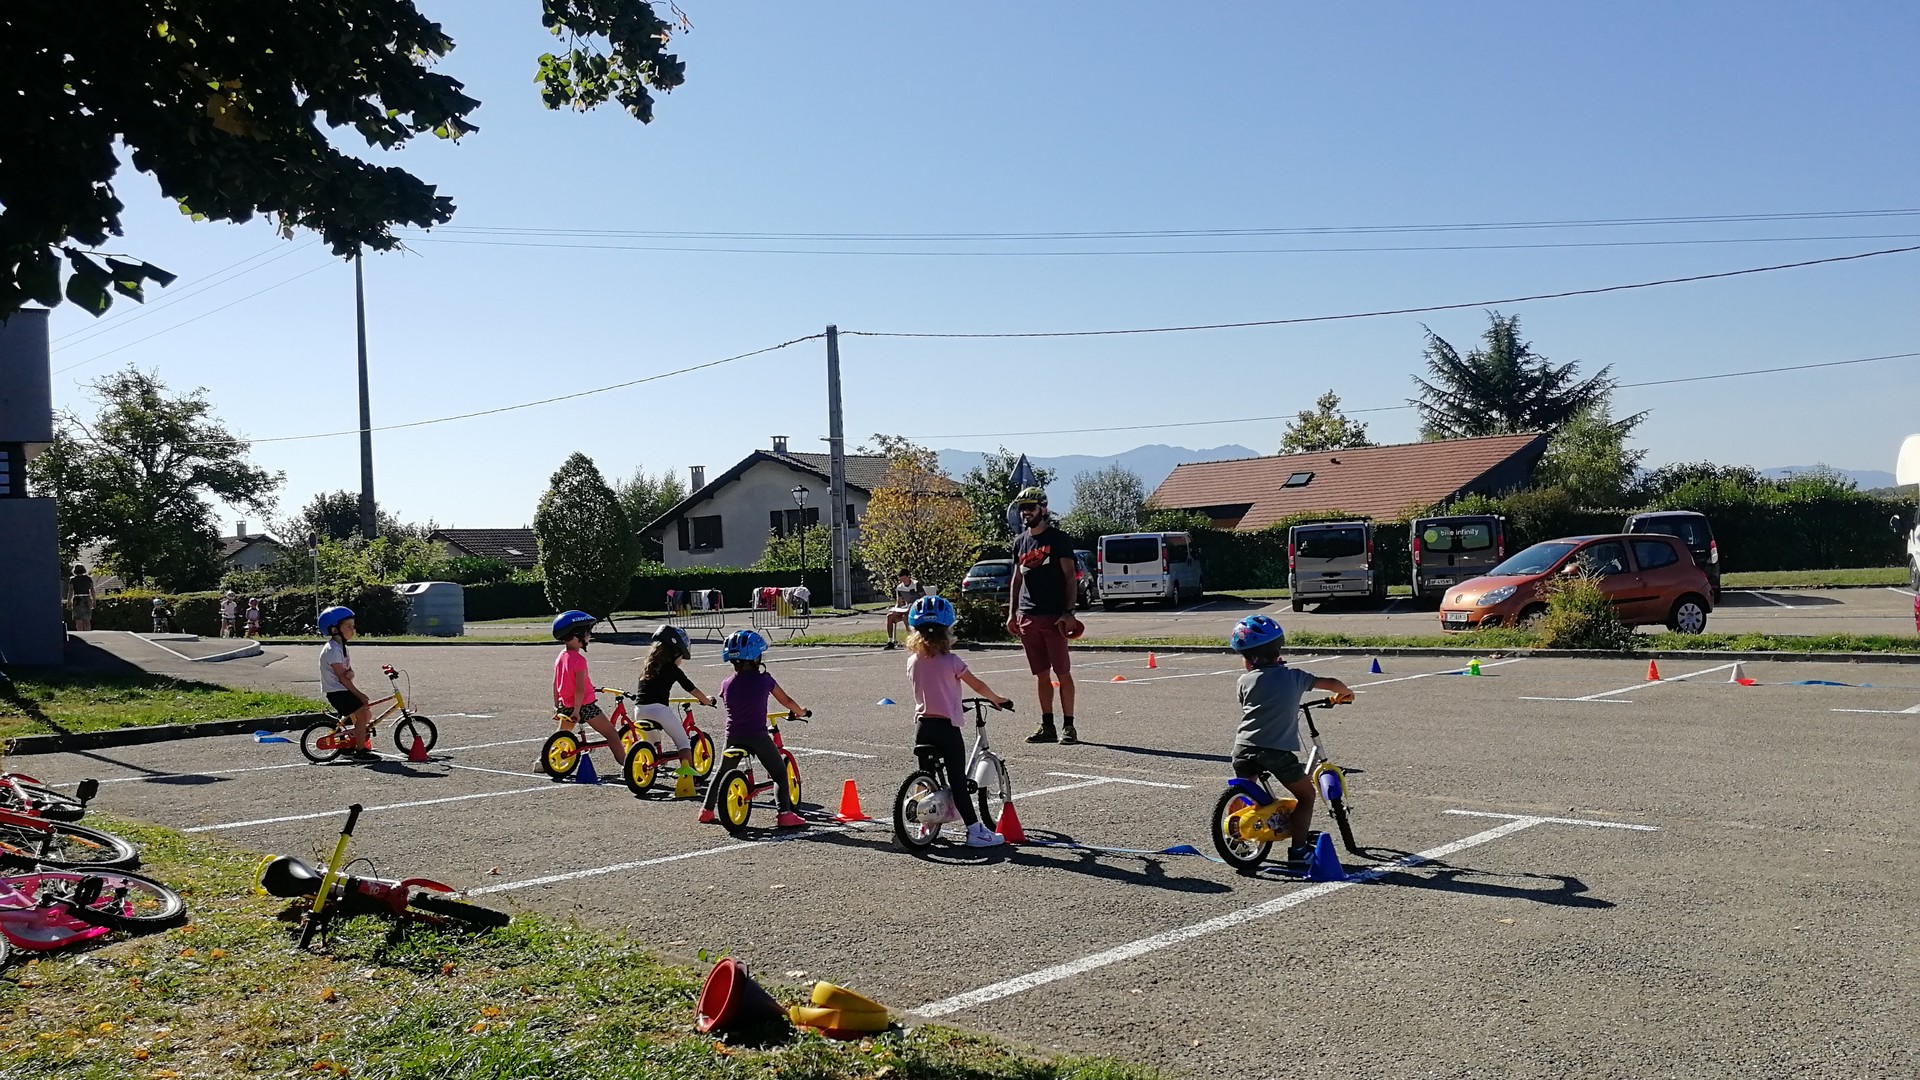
x: 1866, y: 478
x: 1150, y: 463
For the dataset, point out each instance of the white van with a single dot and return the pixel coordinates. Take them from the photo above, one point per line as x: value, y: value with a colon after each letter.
x: 1331, y: 560
x: 1152, y: 567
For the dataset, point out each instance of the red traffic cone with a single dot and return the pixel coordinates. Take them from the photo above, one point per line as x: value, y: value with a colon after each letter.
x: 1118, y: 678
x: 850, y: 804
x: 1152, y: 661
x: 1009, y: 826
x: 1653, y: 671
x: 730, y: 997
x: 417, y: 753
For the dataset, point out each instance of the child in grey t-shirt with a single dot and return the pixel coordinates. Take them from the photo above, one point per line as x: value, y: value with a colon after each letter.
x: 1268, y: 739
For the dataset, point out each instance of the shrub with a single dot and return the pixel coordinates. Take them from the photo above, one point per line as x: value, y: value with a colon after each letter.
x: 475, y: 570
x: 377, y: 610
x: 587, y: 550
x: 979, y: 619
x: 1580, y: 615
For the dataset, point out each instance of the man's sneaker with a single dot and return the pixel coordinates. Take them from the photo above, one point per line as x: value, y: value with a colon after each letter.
x: 1067, y: 736
x: 1045, y: 734
x: 979, y: 835
x: 708, y: 817
x: 789, y: 820
x: 891, y: 644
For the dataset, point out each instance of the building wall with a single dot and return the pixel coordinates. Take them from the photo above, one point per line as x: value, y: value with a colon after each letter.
x: 33, y: 629
x: 742, y: 507
x: 253, y: 556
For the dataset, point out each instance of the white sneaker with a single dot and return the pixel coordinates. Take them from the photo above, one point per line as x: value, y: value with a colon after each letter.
x: 978, y: 835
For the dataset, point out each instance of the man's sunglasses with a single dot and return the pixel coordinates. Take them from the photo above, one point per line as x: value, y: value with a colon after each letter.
x: 1027, y: 506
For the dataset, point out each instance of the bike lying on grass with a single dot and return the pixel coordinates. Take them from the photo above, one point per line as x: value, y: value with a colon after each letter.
x: 925, y: 802
x: 328, y: 738
x: 29, y: 840
x: 338, y: 894
x: 1249, y: 817
x: 51, y: 909
x: 24, y: 794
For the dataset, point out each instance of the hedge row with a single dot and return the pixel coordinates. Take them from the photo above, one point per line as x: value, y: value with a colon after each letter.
x: 517, y: 600
x: 377, y: 609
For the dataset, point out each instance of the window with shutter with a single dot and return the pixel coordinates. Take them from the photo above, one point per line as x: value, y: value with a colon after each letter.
x: 776, y: 523
x: 683, y: 534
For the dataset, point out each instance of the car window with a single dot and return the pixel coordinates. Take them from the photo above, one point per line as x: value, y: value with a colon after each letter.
x: 991, y: 569
x: 1331, y: 543
x: 1462, y: 536
x: 1692, y: 531
x: 1654, y: 554
x: 1537, y: 559
x: 1132, y: 549
x: 1604, y: 559
x: 1176, y: 551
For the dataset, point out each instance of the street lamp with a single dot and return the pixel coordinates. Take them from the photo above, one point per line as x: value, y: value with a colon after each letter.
x: 800, y: 500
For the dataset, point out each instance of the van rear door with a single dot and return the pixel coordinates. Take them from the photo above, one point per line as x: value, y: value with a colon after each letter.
x: 1131, y: 568
x: 1449, y: 551
x: 1332, y: 560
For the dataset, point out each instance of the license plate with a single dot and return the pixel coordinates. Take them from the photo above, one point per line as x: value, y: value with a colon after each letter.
x: 1440, y: 581
x: 1456, y: 618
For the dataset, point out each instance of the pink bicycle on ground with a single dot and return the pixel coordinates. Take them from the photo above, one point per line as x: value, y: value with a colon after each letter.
x: 50, y: 909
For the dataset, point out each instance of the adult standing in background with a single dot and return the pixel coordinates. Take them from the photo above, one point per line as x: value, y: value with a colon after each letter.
x: 80, y: 597
x: 1040, y: 610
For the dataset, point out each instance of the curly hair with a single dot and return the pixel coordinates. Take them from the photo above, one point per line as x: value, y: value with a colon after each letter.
x: 930, y: 640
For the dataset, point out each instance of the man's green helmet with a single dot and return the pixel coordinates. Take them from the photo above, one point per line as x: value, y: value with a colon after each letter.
x: 1032, y: 495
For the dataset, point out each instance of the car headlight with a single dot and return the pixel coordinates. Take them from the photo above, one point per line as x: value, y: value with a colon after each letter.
x: 1494, y: 596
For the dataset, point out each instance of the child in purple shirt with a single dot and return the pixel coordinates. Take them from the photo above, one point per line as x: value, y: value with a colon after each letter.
x: 744, y: 695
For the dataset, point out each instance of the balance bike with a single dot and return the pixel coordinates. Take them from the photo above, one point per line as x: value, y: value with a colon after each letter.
x: 738, y: 788
x: 560, y: 755
x: 645, y: 757
x: 1250, y: 817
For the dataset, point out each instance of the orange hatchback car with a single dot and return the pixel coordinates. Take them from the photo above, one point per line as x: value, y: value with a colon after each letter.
x: 1651, y: 579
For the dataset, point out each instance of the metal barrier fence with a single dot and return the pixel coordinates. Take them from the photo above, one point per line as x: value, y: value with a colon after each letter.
x: 783, y: 615
x: 696, y: 623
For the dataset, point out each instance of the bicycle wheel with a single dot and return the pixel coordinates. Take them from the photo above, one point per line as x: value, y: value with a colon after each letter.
x: 121, y: 901
x: 1333, y: 788
x: 475, y: 916
x: 994, y: 789
x: 628, y: 736
x: 1239, y: 851
x: 641, y: 768
x: 414, y: 724
x: 918, y: 788
x: 54, y: 843
x: 736, y: 799
x: 41, y: 801
x: 316, y: 731
x: 702, y: 755
x: 793, y: 779
x: 561, y: 754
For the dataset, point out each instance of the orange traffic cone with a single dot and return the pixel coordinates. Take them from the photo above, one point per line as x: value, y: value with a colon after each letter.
x: 418, y: 751
x: 850, y: 804
x: 1009, y: 826
x: 1653, y: 671
x: 1152, y: 662
x: 1118, y: 678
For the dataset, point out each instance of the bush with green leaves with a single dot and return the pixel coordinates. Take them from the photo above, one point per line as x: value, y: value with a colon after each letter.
x: 475, y: 570
x: 378, y: 610
x: 1580, y: 615
x: 588, y: 549
x: 979, y: 619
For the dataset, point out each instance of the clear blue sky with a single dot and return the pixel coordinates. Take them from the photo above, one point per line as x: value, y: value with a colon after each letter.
x: 999, y: 117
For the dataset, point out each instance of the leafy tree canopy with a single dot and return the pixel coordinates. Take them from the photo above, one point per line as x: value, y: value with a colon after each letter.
x: 1109, y: 500
x: 1324, y: 427
x: 1501, y: 388
x: 1589, y: 457
x: 916, y: 522
x: 137, y: 478
x: 988, y: 487
x: 588, y: 550
x: 236, y: 109
x: 645, y: 497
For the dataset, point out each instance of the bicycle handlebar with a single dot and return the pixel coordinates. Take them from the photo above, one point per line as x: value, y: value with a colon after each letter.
x: 977, y: 702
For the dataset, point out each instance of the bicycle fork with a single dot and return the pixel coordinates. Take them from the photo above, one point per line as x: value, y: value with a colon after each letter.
x: 318, y: 911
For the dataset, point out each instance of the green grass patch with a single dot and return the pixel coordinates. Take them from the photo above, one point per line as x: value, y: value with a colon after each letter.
x: 228, y: 995
x: 47, y: 703
x: 1814, y: 579
x: 1789, y: 643
x: 1495, y: 638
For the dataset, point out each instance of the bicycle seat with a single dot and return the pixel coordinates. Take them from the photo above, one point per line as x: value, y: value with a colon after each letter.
x: 287, y: 876
x: 734, y: 753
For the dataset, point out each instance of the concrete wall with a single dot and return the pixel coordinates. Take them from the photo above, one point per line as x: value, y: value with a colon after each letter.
x: 743, y: 507
x: 26, y: 387
x: 33, y: 628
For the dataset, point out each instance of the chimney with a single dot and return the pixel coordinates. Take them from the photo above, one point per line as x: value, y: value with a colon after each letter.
x: 240, y: 530
x: 698, y: 473
x: 779, y: 444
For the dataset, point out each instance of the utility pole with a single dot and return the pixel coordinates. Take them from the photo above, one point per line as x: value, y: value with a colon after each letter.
x: 837, y: 472
x: 366, y: 409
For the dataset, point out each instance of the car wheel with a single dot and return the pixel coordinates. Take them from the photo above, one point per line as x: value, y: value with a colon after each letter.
x: 1913, y: 576
x: 1689, y: 615
x: 1299, y: 604
x: 1529, y: 615
x: 1106, y: 605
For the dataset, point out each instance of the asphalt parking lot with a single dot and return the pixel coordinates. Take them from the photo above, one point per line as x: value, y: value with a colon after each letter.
x: 1572, y: 871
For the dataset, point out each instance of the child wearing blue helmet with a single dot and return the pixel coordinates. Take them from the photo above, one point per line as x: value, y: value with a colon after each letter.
x: 336, y: 678
x: 574, y: 698
x: 744, y: 695
x: 937, y: 675
x: 1268, y: 739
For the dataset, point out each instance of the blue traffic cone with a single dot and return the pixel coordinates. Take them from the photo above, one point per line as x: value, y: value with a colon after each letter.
x: 1325, y: 865
x: 1375, y: 669
x: 585, y: 774
x: 885, y: 701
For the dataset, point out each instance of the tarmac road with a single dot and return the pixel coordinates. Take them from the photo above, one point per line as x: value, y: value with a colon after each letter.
x: 1755, y: 916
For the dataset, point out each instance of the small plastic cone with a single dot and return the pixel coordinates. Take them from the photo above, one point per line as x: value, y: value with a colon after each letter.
x: 1739, y: 674
x: 1009, y: 826
x: 418, y: 751
x: 1653, y: 671
x: 683, y: 783
x: 1118, y: 678
x: 1152, y: 661
x: 1375, y: 668
x: 1749, y: 682
x: 1325, y: 865
x: 1473, y: 666
x: 1056, y: 682
x: 850, y: 804
x: 586, y: 773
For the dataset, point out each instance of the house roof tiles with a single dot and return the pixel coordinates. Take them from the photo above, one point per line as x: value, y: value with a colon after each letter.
x: 515, y: 547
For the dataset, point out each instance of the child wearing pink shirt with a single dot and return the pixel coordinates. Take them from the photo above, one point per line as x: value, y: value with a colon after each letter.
x: 574, y: 698
x: 937, y: 674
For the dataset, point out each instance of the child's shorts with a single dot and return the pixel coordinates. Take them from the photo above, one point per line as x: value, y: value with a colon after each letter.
x: 1250, y: 761
x: 344, y: 702
x: 589, y: 711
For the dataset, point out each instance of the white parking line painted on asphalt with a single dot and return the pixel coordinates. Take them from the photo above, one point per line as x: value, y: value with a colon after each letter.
x: 1166, y: 939
x: 388, y: 806
x: 467, y: 715
x: 1605, y: 694
x: 1057, y: 788
x: 1122, y: 780
x: 1768, y: 599
x: 1077, y: 666
x: 575, y: 875
x: 806, y: 750
x: 205, y: 772
x: 1915, y: 711
x: 1557, y: 820
x: 1431, y: 674
x: 487, y: 745
x: 157, y: 645
x: 1902, y: 592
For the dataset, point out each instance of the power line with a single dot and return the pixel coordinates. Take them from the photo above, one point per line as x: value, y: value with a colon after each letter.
x: 1095, y: 253
x: 1394, y: 311
x: 542, y: 401
x: 168, y: 299
x: 1402, y: 408
x: 195, y: 319
x: 1130, y: 234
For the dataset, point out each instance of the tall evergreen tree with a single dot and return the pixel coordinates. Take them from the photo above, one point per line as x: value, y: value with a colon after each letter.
x: 1501, y: 388
x: 588, y: 550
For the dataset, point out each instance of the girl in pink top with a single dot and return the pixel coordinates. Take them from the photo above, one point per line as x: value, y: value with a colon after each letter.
x: 937, y: 674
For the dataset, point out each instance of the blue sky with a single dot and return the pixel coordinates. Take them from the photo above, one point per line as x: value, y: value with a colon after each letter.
x: 999, y: 117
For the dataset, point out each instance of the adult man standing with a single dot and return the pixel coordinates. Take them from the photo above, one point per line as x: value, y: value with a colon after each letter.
x: 80, y: 589
x: 905, y: 591
x: 1040, y: 610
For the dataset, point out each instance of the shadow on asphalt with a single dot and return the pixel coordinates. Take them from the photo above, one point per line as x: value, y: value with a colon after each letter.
x: 1184, y: 755
x: 1151, y: 874
x: 1563, y: 891
x: 1753, y: 598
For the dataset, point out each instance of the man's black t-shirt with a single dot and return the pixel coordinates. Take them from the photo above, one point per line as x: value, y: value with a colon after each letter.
x: 1038, y: 561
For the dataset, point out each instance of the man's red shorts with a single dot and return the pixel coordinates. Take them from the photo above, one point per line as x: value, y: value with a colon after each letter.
x: 1044, y: 637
